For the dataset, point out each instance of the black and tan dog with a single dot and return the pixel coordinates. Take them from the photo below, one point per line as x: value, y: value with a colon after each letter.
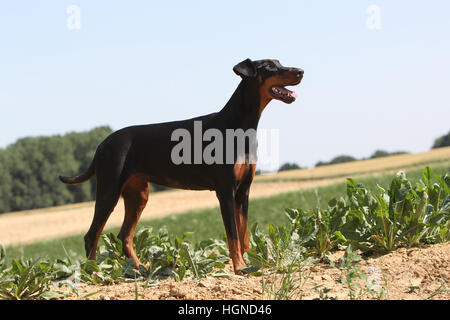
x: 127, y: 160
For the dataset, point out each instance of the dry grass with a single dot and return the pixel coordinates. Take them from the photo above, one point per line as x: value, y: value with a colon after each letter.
x: 401, y: 161
x: 28, y: 226
x: 42, y: 224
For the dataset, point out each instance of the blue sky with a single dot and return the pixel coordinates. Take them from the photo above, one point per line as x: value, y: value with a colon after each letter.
x: 137, y: 62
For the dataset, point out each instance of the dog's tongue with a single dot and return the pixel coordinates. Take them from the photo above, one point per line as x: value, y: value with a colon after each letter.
x: 288, y: 92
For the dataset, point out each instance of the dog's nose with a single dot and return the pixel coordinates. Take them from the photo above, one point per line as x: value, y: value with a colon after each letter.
x: 298, y: 72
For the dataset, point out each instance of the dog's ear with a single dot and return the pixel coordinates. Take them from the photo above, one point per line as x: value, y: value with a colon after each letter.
x: 245, y: 69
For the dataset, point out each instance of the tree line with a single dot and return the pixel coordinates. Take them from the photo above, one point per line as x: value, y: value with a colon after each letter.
x: 440, y: 142
x: 30, y: 167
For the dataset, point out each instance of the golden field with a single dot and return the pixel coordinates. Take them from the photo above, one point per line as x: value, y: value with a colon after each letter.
x: 28, y: 226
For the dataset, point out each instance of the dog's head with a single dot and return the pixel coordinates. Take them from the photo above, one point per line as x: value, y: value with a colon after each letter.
x: 271, y: 78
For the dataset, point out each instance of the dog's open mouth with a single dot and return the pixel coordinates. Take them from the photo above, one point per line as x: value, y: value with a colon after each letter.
x: 283, y: 94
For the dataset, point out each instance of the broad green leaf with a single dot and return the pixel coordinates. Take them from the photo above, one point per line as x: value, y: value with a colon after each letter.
x: 2, y: 255
x: 427, y: 174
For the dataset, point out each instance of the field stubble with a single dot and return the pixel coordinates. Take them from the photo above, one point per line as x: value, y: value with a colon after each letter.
x: 20, y: 228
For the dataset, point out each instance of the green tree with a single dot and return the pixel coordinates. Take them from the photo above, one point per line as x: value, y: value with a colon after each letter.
x: 33, y: 165
x: 30, y: 167
x: 443, y: 141
x: 382, y: 153
x: 5, y: 182
x: 289, y: 166
x: 338, y: 159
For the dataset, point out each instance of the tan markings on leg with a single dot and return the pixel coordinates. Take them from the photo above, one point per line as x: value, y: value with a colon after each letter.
x: 236, y: 255
x: 240, y: 215
x: 135, y: 196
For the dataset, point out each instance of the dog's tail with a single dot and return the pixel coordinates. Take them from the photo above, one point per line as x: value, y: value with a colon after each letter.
x: 80, y: 178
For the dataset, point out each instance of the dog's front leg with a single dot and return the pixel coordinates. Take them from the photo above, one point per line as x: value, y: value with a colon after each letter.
x: 227, y: 206
x: 241, y: 214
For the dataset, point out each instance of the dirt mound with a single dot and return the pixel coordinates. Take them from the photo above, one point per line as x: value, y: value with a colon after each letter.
x: 407, y: 273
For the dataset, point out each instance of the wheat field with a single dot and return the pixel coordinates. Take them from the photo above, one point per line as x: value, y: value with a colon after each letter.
x: 26, y: 227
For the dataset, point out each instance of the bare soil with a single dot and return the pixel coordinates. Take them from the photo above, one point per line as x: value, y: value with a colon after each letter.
x: 405, y: 274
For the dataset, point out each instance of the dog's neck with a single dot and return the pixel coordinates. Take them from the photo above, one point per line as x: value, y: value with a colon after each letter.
x: 245, y: 104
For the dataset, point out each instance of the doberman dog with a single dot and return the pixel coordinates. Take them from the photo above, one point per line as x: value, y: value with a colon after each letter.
x: 128, y: 159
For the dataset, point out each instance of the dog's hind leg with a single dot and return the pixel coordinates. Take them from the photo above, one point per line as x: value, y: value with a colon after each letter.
x: 135, y: 196
x: 108, y: 194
